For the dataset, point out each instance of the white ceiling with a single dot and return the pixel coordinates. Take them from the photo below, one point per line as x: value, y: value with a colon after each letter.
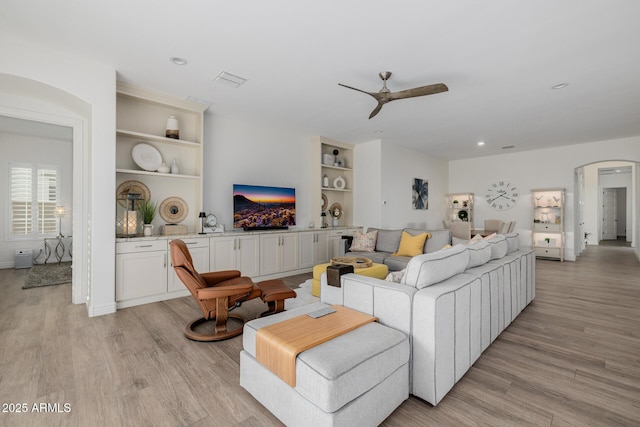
x: 499, y: 58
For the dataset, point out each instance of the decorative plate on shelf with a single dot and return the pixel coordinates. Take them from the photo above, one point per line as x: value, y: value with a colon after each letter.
x: 463, y: 215
x: 339, y: 183
x: 173, y: 210
x: 325, y: 202
x: 147, y: 157
x: 132, y: 187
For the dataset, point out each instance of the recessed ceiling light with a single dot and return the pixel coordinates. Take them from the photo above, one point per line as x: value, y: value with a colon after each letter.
x: 178, y: 61
x: 560, y: 86
x: 378, y: 131
x: 480, y: 143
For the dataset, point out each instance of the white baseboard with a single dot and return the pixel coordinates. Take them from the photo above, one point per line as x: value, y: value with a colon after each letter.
x: 101, y: 310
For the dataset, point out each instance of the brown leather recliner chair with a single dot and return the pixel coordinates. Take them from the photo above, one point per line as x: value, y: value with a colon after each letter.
x: 214, y: 292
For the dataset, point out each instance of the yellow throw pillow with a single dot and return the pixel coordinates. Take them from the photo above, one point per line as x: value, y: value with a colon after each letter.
x: 411, y: 245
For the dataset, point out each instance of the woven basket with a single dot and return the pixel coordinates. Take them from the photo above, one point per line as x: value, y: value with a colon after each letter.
x: 356, y: 262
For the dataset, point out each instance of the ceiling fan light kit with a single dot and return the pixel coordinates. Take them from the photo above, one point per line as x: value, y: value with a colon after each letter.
x: 385, y: 95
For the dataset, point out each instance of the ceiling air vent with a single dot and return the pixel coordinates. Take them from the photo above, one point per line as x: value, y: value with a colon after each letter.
x: 229, y: 79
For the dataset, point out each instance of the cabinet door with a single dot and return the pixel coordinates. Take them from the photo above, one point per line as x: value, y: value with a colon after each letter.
x: 289, y: 252
x: 248, y: 255
x: 140, y: 274
x: 269, y: 254
x: 322, y: 248
x: 200, y: 257
x: 222, y: 253
x: 306, y: 243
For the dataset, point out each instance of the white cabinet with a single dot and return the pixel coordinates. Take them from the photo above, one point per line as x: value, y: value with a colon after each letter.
x: 278, y: 253
x: 141, y: 117
x: 548, y: 222
x: 235, y: 253
x: 141, y: 269
x: 313, y: 248
x: 199, y: 250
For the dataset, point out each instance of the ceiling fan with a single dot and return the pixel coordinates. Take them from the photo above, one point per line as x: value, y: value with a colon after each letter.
x: 385, y: 95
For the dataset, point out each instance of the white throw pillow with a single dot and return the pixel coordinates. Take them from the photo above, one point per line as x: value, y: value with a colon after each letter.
x: 395, y: 276
x: 364, y: 242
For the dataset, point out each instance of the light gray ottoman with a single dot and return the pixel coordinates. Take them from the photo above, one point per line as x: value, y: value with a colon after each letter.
x: 358, y: 378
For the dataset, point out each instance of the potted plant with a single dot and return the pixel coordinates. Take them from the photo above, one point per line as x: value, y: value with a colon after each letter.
x: 455, y: 203
x: 147, y: 210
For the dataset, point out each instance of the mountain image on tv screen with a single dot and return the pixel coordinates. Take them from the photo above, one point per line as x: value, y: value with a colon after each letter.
x: 257, y: 206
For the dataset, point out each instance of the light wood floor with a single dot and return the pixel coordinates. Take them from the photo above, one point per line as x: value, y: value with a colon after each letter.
x: 572, y: 358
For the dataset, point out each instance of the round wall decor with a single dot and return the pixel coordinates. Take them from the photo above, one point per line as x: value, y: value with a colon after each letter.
x: 336, y: 208
x: 339, y: 183
x: 132, y: 187
x: 325, y: 202
x: 173, y: 210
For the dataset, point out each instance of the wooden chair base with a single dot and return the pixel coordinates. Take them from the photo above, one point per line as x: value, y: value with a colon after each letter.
x: 274, y: 307
x: 222, y: 332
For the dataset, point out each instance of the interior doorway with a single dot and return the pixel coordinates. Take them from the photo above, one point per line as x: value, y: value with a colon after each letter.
x: 606, y: 204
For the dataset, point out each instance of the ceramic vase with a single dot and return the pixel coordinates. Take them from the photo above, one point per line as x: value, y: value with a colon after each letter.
x: 172, y: 128
x: 174, y: 167
x: 147, y: 229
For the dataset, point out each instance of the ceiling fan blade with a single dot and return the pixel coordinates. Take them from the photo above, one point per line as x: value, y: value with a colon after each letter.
x: 419, y: 91
x: 359, y: 90
x: 376, y: 110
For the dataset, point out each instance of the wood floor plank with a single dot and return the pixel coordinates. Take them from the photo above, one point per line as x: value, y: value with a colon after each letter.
x: 571, y: 358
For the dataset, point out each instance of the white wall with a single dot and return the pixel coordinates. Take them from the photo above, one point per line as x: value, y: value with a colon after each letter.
x: 87, y: 88
x: 31, y: 149
x: 237, y: 152
x: 535, y: 169
x: 399, y: 168
x: 367, y: 197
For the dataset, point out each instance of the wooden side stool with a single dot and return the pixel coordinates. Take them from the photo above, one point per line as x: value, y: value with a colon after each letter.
x: 274, y: 292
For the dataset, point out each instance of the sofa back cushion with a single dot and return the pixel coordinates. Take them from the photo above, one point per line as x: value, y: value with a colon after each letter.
x: 498, y: 246
x: 438, y: 240
x: 429, y: 269
x: 388, y: 240
x: 513, y: 242
x: 479, y: 253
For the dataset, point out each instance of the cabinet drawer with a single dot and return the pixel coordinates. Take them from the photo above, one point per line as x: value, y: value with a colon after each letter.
x: 548, y: 252
x: 194, y: 242
x: 549, y: 228
x: 141, y: 246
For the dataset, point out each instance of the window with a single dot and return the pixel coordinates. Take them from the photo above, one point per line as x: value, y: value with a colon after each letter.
x: 34, y: 196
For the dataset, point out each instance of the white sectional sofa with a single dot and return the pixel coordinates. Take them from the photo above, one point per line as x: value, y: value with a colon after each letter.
x: 452, y: 304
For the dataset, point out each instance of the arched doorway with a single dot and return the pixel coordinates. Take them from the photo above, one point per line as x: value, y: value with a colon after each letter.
x: 41, y: 103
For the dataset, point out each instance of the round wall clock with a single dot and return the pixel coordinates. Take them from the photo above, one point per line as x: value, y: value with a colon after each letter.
x: 211, y: 220
x: 502, y: 195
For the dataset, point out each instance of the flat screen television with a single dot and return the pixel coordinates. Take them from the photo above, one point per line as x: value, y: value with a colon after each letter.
x: 257, y: 207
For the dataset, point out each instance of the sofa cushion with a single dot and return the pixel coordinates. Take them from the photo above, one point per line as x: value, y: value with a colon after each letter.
x: 377, y: 257
x: 411, y: 245
x: 388, y: 240
x: 498, y: 246
x: 364, y: 242
x: 438, y: 239
x: 396, y: 263
x: 479, y: 253
x: 513, y: 242
x: 428, y: 269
